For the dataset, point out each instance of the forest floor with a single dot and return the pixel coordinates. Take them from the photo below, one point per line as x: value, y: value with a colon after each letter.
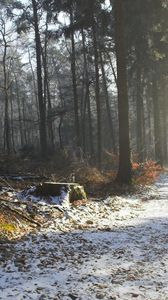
x: 116, y: 248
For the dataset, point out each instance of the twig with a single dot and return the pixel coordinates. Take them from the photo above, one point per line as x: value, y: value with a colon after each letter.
x: 7, y: 200
x: 6, y: 183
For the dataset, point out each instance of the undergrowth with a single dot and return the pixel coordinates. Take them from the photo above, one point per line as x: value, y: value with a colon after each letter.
x: 146, y: 173
x: 97, y: 184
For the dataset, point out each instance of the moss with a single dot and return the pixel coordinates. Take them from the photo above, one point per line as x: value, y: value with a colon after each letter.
x: 77, y: 193
x: 7, y: 228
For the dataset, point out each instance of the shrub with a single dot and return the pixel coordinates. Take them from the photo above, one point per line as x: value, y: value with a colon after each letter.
x: 146, y: 173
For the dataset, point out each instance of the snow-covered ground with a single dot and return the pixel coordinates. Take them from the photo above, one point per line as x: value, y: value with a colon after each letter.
x: 116, y: 249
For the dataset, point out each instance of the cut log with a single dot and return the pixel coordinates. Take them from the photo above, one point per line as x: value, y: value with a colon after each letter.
x: 75, y: 190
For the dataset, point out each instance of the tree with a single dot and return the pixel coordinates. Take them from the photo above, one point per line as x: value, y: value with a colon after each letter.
x: 86, y: 102
x: 5, y: 35
x: 42, y: 104
x: 124, y: 172
x: 97, y: 93
x: 74, y: 78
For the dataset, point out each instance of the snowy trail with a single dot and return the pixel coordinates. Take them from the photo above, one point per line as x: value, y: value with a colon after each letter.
x: 130, y: 261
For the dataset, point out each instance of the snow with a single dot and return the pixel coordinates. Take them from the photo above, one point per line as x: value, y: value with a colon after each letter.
x: 114, y: 249
x: 29, y: 195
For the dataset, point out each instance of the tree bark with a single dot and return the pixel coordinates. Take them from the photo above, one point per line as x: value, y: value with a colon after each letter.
x: 47, y: 97
x: 140, y: 115
x: 12, y: 121
x: 74, y: 83
x: 124, y: 171
x: 97, y: 95
x: 108, y: 108
x: 86, y: 103
x: 7, y: 138
x: 165, y: 123
x: 42, y: 108
x: 157, y: 123
x: 19, y: 110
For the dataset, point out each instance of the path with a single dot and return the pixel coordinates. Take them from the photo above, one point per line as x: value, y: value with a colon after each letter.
x: 130, y: 261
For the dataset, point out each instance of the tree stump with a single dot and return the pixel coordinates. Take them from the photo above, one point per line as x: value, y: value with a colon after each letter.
x: 75, y: 190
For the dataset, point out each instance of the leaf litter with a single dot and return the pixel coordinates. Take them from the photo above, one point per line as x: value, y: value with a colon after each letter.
x: 116, y: 248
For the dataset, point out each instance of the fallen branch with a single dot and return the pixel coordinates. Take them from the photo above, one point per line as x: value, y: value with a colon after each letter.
x: 23, y: 216
x: 28, y: 203
x: 10, y: 201
x: 6, y: 182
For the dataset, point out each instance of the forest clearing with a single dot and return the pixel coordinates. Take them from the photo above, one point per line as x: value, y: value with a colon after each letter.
x: 115, y: 248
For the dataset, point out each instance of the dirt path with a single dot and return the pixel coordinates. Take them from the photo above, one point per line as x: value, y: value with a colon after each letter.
x: 130, y: 261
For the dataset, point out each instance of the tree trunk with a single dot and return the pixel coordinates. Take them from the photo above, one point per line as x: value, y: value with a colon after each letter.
x: 157, y: 124
x: 108, y: 108
x: 25, y: 131
x: 74, y: 83
x: 47, y: 97
x: 12, y: 121
x: 42, y: 108
x: 112, y: 67
x: 124, y: 172
x: 86, y: 102
x: 34, y: 84
x: 165, y: 124
x: 19, y: 110
x: 7, y: 138
x: 97, y: 95
x: 140, y: 115
x: 59, y: 132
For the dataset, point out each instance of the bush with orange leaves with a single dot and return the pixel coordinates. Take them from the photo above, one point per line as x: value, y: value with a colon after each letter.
x: 146, y: 173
